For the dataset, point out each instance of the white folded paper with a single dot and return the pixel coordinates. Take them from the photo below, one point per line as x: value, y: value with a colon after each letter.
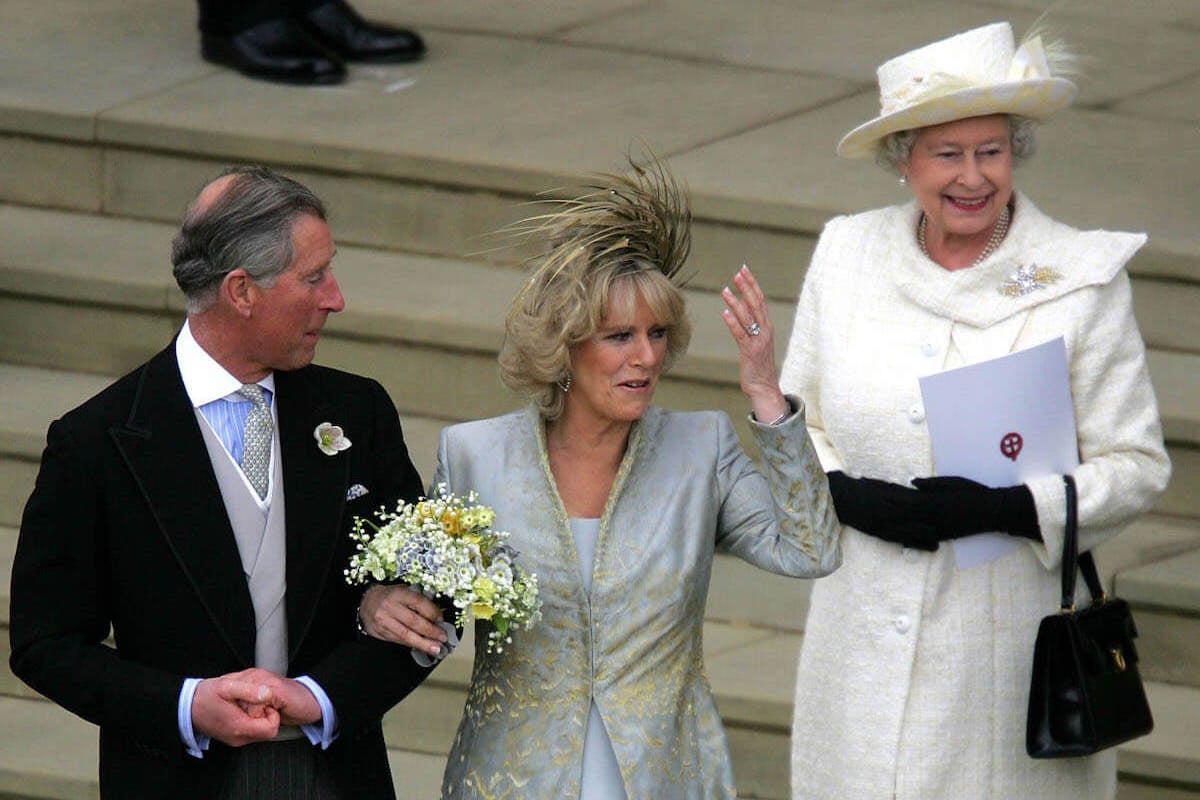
x: 1001, y: 422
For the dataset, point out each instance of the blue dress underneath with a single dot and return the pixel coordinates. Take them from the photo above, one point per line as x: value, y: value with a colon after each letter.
x: 601, y: 778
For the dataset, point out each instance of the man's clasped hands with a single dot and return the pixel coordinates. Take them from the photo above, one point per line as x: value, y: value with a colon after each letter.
x: 249, y: 706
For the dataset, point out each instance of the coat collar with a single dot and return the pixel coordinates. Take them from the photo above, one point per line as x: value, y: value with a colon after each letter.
x: 1074, y: 258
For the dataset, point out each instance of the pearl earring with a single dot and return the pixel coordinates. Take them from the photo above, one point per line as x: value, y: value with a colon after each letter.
x: 903, y: 180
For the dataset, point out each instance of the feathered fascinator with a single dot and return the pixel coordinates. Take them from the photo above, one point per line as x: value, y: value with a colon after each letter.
x: 634, y: 227
x: 973, y: 74
x: 636, y: 222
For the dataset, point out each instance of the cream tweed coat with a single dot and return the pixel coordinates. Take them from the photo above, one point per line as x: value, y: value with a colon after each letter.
x: 914, y: 675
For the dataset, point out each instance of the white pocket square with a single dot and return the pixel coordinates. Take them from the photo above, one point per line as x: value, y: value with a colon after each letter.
x: 356, y: 491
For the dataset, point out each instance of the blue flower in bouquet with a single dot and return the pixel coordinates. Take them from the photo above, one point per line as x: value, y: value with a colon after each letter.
x: 445, y: 546
x: 506, y: 552
x: 416, y: 555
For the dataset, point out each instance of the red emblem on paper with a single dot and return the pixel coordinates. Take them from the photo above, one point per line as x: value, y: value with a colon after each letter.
x: 1010, y: 445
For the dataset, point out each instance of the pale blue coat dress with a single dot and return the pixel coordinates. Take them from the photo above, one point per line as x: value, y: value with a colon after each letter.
x: 631, y: 647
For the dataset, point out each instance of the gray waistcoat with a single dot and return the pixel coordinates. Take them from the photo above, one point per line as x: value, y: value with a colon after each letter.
x: 261, y: 542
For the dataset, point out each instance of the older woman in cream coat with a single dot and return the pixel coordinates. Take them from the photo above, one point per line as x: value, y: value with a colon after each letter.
x: 914, y: 674
x: 618, y: 507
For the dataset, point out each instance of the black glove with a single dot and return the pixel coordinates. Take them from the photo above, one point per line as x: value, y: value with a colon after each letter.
x: 885, y: 510
x: 962, y: 507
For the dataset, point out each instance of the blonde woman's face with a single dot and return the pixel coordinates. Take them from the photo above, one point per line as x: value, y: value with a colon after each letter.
x: 615, y: 372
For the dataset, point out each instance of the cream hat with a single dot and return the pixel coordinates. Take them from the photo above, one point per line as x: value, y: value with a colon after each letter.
x: 971, y: 74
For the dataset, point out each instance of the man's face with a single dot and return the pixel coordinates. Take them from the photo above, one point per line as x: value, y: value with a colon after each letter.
x: 287, y: 317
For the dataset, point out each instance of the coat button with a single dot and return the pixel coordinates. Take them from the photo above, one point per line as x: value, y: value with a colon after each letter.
x: 916, y: 414
x: 929, y: 349
x: 903, y: 623
x: 910, y: 555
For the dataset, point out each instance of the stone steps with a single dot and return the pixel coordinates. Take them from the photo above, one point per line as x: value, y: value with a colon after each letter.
x: 46, y: 752
x: 753, y: 142
x: 757, y: 715
x: 1154, y: 564
x: 32, y: 397
x: 752, y: 618
x: 108, y: 127
x: 424, y: 336
x: 740, y: 607
x: 1165, y: 596
x: 1170, y: 755
x: 375, y: 211
x: 1164, y: 293
x: 760, y: 622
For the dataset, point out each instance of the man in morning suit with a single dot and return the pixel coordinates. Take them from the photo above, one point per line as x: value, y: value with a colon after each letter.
x: 190, y: 508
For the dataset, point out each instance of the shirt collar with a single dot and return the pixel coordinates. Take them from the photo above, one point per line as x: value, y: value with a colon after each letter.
x: 203, y: 378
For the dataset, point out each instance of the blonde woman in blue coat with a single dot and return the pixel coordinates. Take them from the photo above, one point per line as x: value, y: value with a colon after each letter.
x: 618, y: 506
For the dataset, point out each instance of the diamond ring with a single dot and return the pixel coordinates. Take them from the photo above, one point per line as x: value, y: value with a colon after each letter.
x: 753, y: 329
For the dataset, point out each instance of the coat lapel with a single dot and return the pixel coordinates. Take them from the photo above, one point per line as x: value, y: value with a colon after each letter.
x: 163, y: 447
x: 314, y: 496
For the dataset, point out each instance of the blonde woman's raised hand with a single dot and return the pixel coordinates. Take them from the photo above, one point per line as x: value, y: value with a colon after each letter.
x: 750, y: 326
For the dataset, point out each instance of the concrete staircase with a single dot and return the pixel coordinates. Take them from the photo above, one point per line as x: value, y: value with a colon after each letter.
x: 109, y: 125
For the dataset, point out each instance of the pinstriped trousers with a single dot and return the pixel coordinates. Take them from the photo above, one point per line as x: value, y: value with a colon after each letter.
x: 282, y: 770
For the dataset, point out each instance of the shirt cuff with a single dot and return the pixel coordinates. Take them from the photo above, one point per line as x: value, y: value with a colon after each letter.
x: 324, y: 730
x: 195, y: 743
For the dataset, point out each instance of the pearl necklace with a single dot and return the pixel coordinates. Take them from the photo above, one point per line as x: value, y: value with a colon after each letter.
x: 998, y: 233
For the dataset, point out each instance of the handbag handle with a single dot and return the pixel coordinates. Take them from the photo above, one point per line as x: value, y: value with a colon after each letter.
x: 1073, y: 559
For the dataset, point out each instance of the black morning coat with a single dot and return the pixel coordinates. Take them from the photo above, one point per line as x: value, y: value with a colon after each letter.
x: 126, y: 529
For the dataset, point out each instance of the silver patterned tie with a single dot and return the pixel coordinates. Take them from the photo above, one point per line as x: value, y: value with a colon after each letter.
x: 256, y: 440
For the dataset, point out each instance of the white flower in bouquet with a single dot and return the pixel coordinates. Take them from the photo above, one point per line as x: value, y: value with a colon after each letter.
x: 445, y: 546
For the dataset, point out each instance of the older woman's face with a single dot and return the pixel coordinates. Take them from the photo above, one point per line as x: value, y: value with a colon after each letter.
x: 961, y: 174
x: 615, y: 372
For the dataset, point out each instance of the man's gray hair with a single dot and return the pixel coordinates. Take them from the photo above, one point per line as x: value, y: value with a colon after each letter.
x: 895, y: 148
x: 248, y: 226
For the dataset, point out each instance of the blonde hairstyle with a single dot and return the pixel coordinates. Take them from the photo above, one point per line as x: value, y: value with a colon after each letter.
x: 628, y: 232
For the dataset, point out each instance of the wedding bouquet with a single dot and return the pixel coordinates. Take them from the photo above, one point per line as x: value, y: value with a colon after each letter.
x: 445, y: 546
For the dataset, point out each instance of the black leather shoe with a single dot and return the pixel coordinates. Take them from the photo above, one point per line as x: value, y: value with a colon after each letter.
x: 337, y: 26
x: 276, y: 50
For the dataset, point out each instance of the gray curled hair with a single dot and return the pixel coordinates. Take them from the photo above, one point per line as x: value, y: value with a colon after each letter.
x: 248, y: 226
x: 896, y: 148
x: 627, y: 232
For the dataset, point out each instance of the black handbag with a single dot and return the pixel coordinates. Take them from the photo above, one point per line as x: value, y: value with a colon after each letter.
x: 1086, y: 693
